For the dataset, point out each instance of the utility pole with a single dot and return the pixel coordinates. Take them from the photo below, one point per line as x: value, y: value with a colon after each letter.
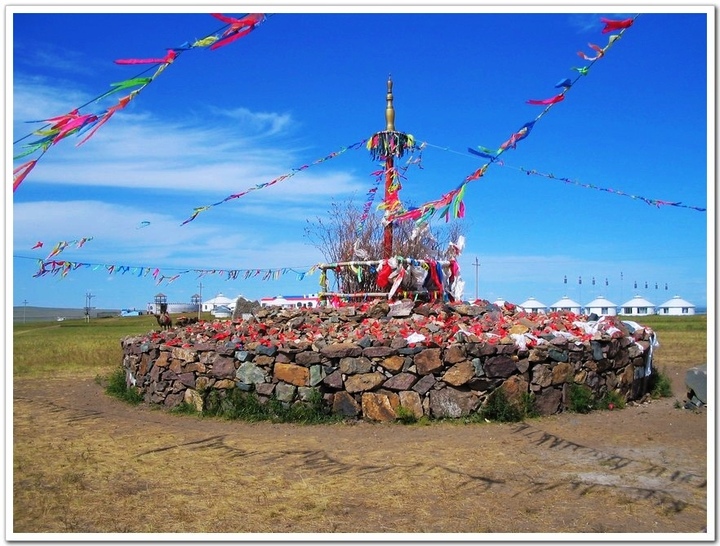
x: 88, y: 300
x: 477, y: 269
x: 200, y: 302
x: 25, y: 302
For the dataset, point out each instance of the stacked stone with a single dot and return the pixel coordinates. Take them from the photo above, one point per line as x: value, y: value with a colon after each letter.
x: 380, y: 360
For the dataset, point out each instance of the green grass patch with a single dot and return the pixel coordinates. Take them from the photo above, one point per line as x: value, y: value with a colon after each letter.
x: 580, y: 399
x: 612, y: 399
x: 405, y: 416
x: 659, y: 384
x: 74, y: 348
x: 500, y: 408
x: 117, y: 387
x: 237, y: 404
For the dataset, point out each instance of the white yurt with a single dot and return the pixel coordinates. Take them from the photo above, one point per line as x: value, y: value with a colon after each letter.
x: 218, y: 301
x: 638, y: 306
x: 601, y: 306
x: 531, y: 305
x: 566, y: 304
x: 676, y: 306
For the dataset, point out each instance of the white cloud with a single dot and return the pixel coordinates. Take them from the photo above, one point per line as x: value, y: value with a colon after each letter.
x: 140, y: 151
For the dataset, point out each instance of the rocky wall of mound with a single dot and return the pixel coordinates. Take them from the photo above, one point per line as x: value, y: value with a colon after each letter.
x: 369, y: 361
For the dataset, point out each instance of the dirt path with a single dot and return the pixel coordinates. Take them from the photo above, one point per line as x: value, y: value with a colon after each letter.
x: 637, y: 470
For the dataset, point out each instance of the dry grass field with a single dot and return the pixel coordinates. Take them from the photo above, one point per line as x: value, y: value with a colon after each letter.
x: 84, y: 462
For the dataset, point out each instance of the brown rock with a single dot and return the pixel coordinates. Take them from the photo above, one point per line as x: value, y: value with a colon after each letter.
x: 184, y: 354
x: 393, y: 363
x: 291, y: 373
x: 341, y: 350
x: 307, y: 358
x: 174, y: 399
x: 223, y: 367
x: 163, y: 360
x: 562, y: 373
x: 344, y: 404
x: 204, y: 382
x: 379, y: 309
x: 459, y: 374
x: 334, y: 380
x: 547, y: 401
x: 454, y: 354
x: 537, y: 355
x: 176, y: 365
x: 264, y: 389
x: 515, y: 387
x: 400, y: 382
x: 518, y: 329
x: 424, y: 385
x: 193, y: 398
x: 542, y: 375
x: 499, y: 366
x: 351, y: 365
x: 428, y: 361
x: 481, y: 349
x: 194, y: 367
x: 410, y: 400
x: 378, y: 352
x: 450, y: 402
x: 263, y: 360
x: 376, y: 407
x: 364, y: 382
x: 224, y: 384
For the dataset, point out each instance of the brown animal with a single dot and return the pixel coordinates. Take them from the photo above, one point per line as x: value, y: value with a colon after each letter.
x: 164, y: 320
x: 185, y: 321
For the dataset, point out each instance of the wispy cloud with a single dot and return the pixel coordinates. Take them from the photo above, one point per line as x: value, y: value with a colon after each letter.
x: 206, y: 152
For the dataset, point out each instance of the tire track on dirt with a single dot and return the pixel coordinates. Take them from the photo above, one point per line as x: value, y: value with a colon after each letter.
x: 574, y: 468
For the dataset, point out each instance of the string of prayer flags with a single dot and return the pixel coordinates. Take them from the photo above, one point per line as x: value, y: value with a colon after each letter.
x: 293, y: 172
x: 52, y: 267
x: 62, y: 245
x: 75, y: 123
x: 654, y: 202
x: 426, y: 211
x: 238, y: 27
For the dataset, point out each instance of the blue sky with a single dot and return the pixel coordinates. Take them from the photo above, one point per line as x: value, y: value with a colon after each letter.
x: 303, y: 85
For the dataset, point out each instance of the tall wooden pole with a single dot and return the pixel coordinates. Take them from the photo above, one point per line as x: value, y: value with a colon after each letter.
x: 389, y: 165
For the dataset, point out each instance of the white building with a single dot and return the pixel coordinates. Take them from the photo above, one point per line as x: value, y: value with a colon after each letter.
x: 218, y: 301
x: 601, y: 306
x: 566, y: 304
x: 638, y: 306
x: 676, y: 306
x: 310, y: 300
x: 531, y: 305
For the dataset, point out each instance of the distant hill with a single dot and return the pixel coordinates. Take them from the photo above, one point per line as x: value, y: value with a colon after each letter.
x: 42, y: 314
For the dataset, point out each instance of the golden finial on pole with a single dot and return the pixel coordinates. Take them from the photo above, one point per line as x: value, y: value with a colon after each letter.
x: 389, y: 109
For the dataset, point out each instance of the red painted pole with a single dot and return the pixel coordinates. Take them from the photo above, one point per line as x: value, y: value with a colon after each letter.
x: 388, y: 232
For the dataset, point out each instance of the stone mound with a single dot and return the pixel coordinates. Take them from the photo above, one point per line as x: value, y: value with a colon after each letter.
x: 368, y: 360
